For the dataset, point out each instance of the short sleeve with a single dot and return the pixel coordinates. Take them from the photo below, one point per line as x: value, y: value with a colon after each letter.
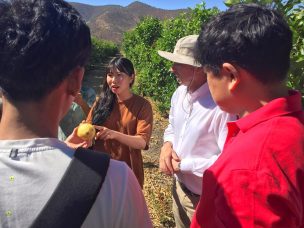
x: 145, y: 122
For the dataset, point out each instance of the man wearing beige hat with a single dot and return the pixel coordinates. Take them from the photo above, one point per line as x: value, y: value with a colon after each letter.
x: 196, y: 132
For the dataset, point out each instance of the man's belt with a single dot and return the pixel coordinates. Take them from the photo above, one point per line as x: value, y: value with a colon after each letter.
x: 187, y: 191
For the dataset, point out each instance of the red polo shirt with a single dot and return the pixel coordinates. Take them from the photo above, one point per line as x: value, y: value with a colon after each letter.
x: 258, y: 180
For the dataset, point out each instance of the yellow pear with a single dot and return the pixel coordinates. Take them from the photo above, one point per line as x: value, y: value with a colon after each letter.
x: 86, y: 131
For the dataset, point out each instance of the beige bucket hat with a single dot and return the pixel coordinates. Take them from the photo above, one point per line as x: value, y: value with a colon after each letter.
x: 183, y: 52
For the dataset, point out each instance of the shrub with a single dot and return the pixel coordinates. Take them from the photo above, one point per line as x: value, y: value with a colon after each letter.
x: 141, y: 45
x: 153, y: 76
x: 101, y: 51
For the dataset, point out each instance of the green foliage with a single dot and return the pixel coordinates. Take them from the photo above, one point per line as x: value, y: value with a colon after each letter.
x: 141, y: 45
x: 293, y: 10
x: 101, y: 51
x: 153, y: 76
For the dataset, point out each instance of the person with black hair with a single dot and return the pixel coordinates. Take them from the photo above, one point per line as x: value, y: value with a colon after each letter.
x: 257, y: 181
x: 44, y: 46
x: 123, y: 119
x: 196, y: 132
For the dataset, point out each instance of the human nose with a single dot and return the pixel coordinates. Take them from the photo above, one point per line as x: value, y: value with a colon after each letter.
x: 116, y: 78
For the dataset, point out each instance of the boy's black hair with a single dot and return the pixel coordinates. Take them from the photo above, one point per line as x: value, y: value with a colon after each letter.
x: 251, y: 36
x: 41, y: 41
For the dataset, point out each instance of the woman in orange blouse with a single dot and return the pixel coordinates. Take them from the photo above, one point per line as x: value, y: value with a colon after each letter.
x: 124, y: 120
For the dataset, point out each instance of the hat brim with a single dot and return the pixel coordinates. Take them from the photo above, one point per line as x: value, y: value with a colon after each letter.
x: 179, y: 58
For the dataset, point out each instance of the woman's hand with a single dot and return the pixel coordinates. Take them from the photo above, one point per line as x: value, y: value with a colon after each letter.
x: 73, y: 141
x: 133, y: 141
x: 104, y: 133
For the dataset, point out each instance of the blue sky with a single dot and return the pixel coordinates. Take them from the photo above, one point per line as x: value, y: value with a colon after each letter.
x: 163, y: 4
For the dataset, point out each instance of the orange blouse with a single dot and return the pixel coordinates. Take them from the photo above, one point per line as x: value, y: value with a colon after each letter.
x: 132, y: 117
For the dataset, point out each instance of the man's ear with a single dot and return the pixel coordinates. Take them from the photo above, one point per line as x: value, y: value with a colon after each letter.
x: 233, y: 74
x: 74, y: 80
x: 199, y: 71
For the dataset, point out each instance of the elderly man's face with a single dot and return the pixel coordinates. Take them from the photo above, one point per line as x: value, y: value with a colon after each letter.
x: 184, y: 73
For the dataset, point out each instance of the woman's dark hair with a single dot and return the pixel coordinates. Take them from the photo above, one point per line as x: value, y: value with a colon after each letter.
x: 105, y: 105
x: 251, y: 36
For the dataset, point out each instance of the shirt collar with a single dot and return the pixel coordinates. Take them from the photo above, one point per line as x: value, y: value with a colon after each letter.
x: 201, y: 91
x: 31, y: 143
x: 277, y: 107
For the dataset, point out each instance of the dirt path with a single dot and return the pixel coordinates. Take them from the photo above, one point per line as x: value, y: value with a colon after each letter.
x: 157, y: 188
x: 93, y: 78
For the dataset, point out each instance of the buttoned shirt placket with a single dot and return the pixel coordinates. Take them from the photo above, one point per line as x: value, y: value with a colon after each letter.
x: 188, y: 106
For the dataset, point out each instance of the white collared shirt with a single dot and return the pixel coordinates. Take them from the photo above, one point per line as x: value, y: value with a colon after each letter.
x: 197, y: 129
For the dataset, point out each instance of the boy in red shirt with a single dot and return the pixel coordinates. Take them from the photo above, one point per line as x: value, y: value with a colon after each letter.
x: 258, y: 180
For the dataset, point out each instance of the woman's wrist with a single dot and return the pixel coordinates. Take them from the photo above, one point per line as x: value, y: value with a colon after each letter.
x: 114, y: 134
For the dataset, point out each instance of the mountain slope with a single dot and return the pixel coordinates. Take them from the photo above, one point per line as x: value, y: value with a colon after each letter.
x: 111, y: 21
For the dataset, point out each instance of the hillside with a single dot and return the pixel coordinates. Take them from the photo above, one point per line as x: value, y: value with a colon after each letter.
x: 111, y: 21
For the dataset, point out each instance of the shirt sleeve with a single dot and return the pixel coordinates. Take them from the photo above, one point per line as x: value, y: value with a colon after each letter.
x: 197, y: 166
x: 220, y: 126
x: 145, y: 123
